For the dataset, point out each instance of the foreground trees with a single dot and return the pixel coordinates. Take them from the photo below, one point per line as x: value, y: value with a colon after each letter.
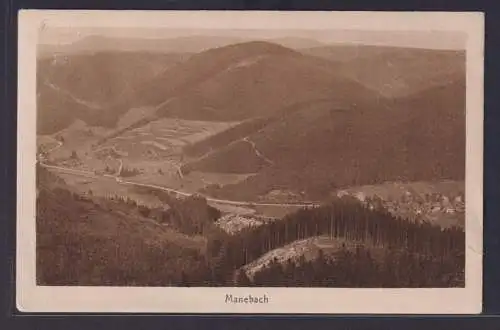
x: 359, y: 269
x: 90, y: 241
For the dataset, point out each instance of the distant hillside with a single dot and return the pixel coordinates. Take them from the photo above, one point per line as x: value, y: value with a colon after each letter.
x: 229, y: 83
x: 102, y: 77
x: 393, y: 71
x: 97, y: 43
x: 232, y: 83
x: 322, y: 147
x: 187, y: 44
x: 71, y: 87
x: 347, y: 52
x: 57, y: 110
x: 243, y: 81
x: 296, y: 42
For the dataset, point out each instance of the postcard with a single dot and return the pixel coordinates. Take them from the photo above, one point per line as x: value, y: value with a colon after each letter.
x: 250, y: 162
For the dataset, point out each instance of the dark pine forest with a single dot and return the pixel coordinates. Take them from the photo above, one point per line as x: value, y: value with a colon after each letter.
x: 382, y: 250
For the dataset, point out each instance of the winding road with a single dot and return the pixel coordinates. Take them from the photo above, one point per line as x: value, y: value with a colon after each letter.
x: 118, y: 179
x: 257, y: 152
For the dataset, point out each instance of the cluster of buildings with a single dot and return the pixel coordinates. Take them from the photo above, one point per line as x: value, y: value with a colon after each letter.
x: 413, y: 205
x: 233, y: 223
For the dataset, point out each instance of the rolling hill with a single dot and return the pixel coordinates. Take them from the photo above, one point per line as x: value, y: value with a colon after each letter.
x: 57, y: 110
x: 98, y: 43
x: 235, y: 82
x: 162, y: 45
x: 347, y: 52
x: 154, y: 45
x: 231, y: 83
x: 243, y: 81
x: 321, y: 147
x: 296, y: 43
x: 102, y: 77
x: 393, y: 71
x: 83, y: 86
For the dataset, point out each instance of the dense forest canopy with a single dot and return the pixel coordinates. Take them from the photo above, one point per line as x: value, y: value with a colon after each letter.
x: 88, y: 240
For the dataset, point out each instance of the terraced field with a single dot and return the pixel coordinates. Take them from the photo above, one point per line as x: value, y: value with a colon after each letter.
x: 165, y: 137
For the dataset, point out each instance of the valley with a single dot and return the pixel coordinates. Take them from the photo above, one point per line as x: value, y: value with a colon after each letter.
x: 137, y: 158
x: 255, y: 161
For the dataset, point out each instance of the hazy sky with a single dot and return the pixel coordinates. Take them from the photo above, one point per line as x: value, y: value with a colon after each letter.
x: 418, y: 39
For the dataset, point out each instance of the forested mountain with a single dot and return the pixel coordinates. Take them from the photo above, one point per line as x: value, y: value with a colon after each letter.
x: 234, y: 82
x: 101, y: 77
x: 83, y: 86
x: 344, y: 53
x: 51, y: 116
x: 224, y: 138
x: 244, y: 81
x: 393, y: 71
x: 321, y: 147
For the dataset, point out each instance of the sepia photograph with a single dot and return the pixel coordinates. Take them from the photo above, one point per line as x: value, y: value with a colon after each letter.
x: 249, y: 160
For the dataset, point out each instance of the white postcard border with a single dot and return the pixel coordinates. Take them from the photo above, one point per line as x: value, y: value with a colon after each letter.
x: 33, y: 298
